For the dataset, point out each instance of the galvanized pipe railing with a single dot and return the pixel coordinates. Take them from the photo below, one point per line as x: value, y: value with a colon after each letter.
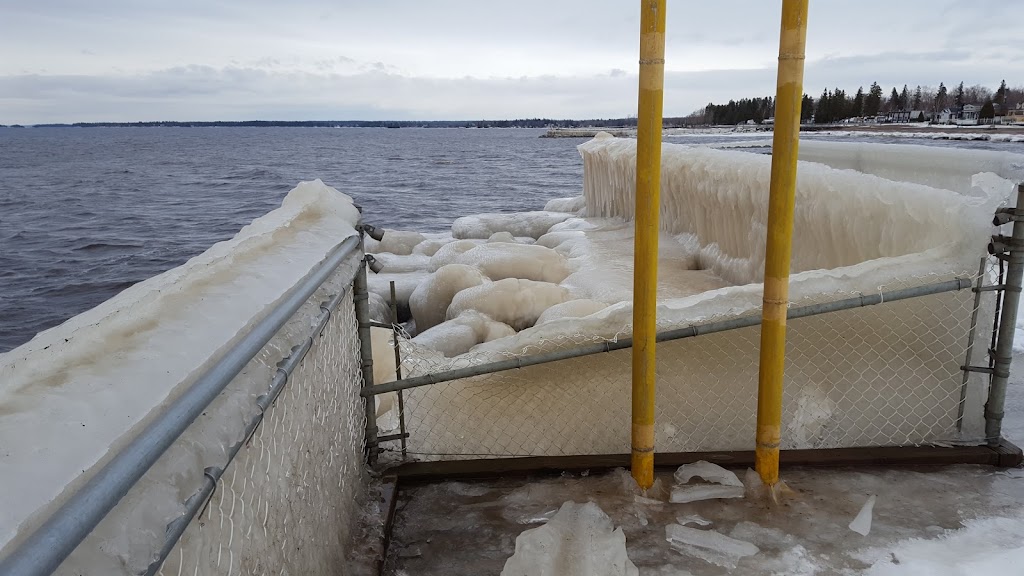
x: 677, y: 334
x: 1007, y: 323
x: 47, y: 546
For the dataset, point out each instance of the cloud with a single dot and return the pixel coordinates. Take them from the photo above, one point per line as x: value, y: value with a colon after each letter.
x: 341, y: 59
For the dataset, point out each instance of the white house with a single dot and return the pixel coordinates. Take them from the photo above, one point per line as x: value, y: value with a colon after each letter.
x: 969, y: 116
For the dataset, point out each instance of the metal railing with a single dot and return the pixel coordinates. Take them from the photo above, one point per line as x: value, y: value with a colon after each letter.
x: 45, y: 548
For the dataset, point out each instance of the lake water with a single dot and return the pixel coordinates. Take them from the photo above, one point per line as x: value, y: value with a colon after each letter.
x: 87, y: 212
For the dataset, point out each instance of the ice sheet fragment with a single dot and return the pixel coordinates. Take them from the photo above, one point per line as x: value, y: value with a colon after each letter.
x: 579, y: 540
x: 708, y: 545
x: 862, y: 523
x: 708, y: 471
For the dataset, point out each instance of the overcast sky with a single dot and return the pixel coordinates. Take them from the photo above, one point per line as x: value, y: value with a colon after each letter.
x: 127, y: 60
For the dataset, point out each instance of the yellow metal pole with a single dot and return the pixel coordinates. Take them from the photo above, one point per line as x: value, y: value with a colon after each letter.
x: 645, y: 252
x: 785, y: 146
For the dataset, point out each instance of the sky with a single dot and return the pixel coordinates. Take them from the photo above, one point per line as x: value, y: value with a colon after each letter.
x: 131, y: 60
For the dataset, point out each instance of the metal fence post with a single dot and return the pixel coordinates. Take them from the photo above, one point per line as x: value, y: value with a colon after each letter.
x: 398, y: 369
x: 1007, y: 321
x: 360, y: 294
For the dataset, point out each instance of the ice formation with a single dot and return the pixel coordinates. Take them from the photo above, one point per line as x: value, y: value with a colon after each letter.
x: 573, y: 205
x: 709, y: 545
x: 579, y: 540
x: 720, y: 483
x: 571, y: 309
x: 430, y: 300
x: 462, y: 333
x: 862, y: 523
x: 512, y: 301
x: 531, y: 224
x: 447, y: 254
x: 101, y: 373
x: 504, y: 260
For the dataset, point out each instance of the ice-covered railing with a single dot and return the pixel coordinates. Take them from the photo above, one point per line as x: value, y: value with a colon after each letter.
x: 256, y: 339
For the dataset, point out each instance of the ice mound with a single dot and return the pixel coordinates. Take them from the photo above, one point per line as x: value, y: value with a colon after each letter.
x: 571, y: 309
x: 380, y: 309
x: 502, y: 237
x: 395, y: 264
x: 432, y: 244
x: 503, y: 260
x: 532, y: 224
x: 398, y: 242
x: 430, y: 300
x: 449, y: 252
x: 579, y: 540
x: 459, y: 335
x: 512, y: 301
x: 405, y: 284
x: 570, y: 205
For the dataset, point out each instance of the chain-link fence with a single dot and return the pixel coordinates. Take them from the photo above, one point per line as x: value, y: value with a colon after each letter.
x: 888, y: 374
x: 286, y: 503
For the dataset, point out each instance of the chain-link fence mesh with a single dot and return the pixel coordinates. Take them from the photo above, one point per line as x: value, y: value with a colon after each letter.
x: 286, y: 503
x: 882, y: 375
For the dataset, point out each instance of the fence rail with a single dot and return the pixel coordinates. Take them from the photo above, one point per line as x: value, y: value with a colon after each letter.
x: 960, y: 283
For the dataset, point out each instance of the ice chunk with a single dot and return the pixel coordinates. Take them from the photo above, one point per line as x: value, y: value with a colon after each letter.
x: 430, y: 300
x: 512, y: 301
x: 459, y: 335
x: 571, y: 205
x: 708, y: 545
x: 532, y: 224
x: 862, y: 523
x: 502, y: 237
x: 394, y: 264
x: 708, y: 471
x: 432, y: 244
x: 380, y: 310
x: 449, y: 252
x: 405, y: 285
x: 579, y: 540
x: 693, y: 493
x: 571, y: 309
x: 397, y: 242
x: 508, y: 260
x: 695, y: 519
x: 724, y: 484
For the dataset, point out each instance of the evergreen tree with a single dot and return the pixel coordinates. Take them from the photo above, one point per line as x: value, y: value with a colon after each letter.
x: 822, y: 112
x: 916, y: 103
x: 806, y: 108
x: 1001, y: 96
x: 873, y: 101
x: 987, y: 111
x: 958, y: 97
x: 857, y: 107
x: 904, y: 98
x: 894, y: 100
x: 940, y: 98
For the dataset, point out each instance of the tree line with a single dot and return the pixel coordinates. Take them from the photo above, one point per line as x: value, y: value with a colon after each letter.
x: 836, y: 105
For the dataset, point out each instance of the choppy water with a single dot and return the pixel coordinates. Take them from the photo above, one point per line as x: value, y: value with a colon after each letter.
x: 87, y: 212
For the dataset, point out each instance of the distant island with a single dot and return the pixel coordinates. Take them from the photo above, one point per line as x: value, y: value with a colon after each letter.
x: 629, y: 122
